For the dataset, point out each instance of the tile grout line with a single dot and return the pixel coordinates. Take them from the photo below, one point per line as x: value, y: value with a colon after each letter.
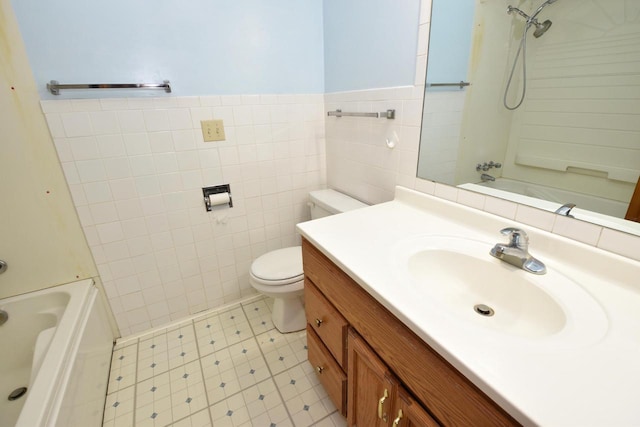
x: 204, y: 383
x: 135, y: 382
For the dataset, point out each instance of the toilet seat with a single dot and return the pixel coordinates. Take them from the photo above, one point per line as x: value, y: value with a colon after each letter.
x: 279, y: 267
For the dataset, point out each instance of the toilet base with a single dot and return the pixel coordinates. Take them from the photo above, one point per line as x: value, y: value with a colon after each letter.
x: 288, y: 314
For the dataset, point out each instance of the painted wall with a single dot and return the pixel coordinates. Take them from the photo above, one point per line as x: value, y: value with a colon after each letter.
x: 42, y: 241
x: 369, y: 43
x: 450, y: 41
x: 202, y: 47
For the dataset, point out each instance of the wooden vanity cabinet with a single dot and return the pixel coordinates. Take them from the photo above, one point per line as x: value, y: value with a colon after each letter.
x: 390, y: 355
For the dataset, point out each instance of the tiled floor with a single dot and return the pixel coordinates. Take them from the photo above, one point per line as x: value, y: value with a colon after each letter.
x: 224, y: 368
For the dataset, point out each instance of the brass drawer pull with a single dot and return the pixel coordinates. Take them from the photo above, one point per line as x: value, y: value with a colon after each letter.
x: 319, y: 322
x: 396, y: 422
x: 319, y: 369
x: 381, y: 402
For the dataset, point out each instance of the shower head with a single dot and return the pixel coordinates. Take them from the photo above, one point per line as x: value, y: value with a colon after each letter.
x: 531, y: 20
x: 541, y: 28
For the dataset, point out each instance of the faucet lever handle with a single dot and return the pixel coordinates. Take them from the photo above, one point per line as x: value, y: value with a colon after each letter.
x: 517, y: 237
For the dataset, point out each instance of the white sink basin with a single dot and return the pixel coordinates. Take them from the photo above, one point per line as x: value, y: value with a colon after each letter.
x: 455, y: 275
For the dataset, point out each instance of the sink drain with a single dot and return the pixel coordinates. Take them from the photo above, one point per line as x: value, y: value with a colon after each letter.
x: 17, y: 393
x: 484, y: 310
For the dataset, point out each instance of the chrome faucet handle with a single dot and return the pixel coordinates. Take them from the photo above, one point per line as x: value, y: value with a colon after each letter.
x: 517, y: 238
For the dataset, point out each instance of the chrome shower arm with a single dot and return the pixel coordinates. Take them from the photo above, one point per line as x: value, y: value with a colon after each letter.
x: 511, y: 9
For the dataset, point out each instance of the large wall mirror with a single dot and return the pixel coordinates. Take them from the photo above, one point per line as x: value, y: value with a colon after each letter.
x: 552, y: 112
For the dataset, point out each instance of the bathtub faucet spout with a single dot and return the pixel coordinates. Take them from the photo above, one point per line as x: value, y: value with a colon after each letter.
x: 566, y: 209
x: 486, y: 177
x: 4, y: 316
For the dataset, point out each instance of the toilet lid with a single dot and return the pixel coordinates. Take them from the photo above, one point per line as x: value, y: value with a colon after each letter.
x: 279, y: 265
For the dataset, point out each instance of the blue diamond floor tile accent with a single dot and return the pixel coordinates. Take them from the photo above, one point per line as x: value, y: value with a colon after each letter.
x: 116, y: 404
x: 188, y: 400
x: 244, y: 350
x: 281, y: 358
x: 237, y: 332
x: 180, y: 336
x: 121, y: 357
x: 272, y: 425
x: 222, y: 385
x: 217, y: 362
x: 119, y: 378
x: 153, y: 389
x: 153, y: 365
x: 253, y: 371
x: 185, y: 376
x: 292, y: 382
x: 272, y: 340
x: 261, y: 397
x: 229, y: 413
x: 153, y: 346
x: 306, y: 407
x: 183, y: 354
x: 154, y: 415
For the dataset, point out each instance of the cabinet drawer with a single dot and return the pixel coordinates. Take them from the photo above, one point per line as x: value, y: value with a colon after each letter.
x: 329, y: 373
x: 327, y: 322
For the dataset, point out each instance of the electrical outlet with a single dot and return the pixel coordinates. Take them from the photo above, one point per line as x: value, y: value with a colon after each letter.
x: 212, y: 130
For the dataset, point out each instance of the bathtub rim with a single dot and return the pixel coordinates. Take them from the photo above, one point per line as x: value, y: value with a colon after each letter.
x: 580, y: 214
x: 43, y: 395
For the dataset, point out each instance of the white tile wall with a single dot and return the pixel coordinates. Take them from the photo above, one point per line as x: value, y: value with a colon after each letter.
x: 136, y: 168
x: 359, y: 161
x: 441, y: 134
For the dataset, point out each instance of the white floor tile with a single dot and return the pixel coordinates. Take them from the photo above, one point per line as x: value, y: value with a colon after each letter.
x: 225, y: 368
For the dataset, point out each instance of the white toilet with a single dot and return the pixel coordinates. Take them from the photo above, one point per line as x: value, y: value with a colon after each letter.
x: 278, y: 274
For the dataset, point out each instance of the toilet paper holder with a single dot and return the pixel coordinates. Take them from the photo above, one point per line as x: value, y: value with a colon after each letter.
x: 216, y: 189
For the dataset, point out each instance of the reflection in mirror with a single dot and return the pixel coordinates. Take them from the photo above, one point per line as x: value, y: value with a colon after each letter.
x: 551, y: 115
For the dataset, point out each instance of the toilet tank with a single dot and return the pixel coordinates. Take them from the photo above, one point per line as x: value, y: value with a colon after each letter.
x: 330, y: 202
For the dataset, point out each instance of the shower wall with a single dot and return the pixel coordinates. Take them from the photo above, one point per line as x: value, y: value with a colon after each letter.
x: 41, y: 239
x: 579, y: 126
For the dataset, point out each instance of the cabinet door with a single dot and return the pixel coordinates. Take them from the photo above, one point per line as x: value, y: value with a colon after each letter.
x: 371, y: 387
x: 408, y: 413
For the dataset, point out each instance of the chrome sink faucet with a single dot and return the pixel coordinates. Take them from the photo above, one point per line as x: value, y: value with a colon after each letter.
x: 516, y: 251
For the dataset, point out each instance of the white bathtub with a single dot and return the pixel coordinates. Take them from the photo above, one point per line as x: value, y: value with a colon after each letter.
x: 57, y: 343
x: 605, y: 212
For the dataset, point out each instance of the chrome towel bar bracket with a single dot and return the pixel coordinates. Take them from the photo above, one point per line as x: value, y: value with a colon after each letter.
x: 54, y: 86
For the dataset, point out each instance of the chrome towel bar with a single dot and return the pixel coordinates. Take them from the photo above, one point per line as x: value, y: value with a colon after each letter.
x: 54, y: 87
x: 389, y: 114
x: 460, y: 84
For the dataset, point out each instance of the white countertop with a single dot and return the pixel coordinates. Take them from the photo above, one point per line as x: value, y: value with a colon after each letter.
x: 551, y: 381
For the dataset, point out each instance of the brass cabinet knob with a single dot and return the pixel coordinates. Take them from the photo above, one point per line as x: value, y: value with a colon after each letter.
x: 319, y: 322
x: 319, y: 369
